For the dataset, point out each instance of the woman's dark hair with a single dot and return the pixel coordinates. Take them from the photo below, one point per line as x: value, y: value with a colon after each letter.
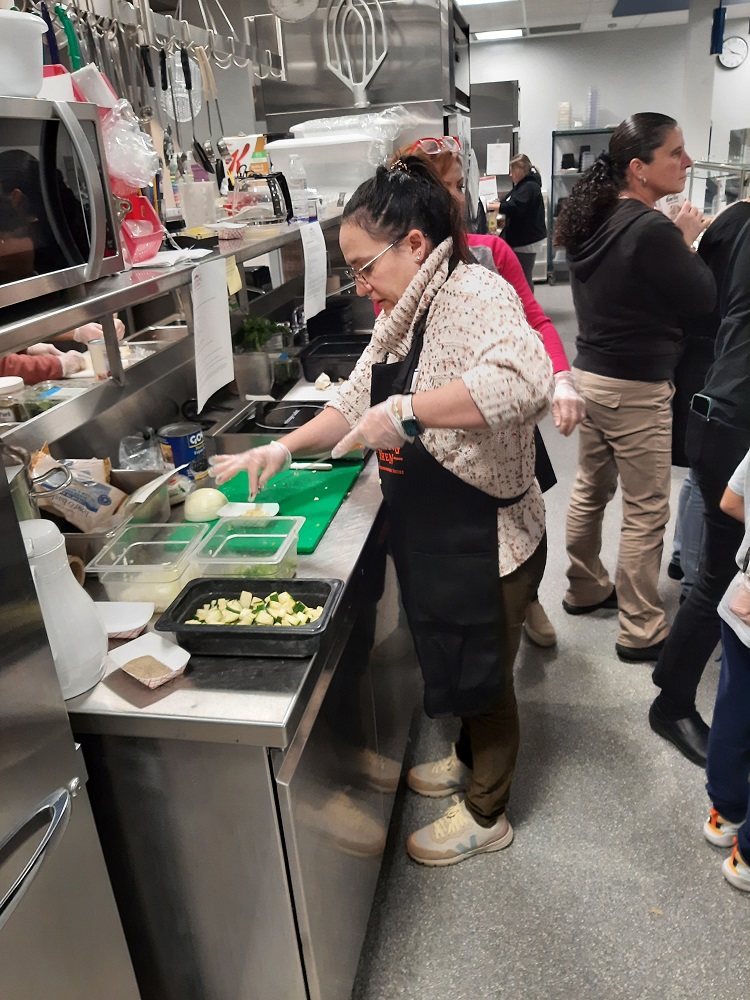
x: 634, y: 139
x: 408, y: 195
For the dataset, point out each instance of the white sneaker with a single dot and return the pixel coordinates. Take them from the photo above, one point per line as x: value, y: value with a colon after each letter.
x: 440, y: 777
x: 736, y: 872
x: 719, y: 831
x: 457, y: 836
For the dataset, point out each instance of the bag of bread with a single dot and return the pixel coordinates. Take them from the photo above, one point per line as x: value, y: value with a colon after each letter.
x: 89, y: 502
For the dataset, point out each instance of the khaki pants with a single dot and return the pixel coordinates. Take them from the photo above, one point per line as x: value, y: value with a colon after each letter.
x: 627, y: 431
x: 488, y: 743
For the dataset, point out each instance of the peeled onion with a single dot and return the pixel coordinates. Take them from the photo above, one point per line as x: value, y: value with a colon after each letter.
x: 204, y: 504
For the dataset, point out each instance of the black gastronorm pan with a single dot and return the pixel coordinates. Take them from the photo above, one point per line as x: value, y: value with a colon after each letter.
x: 250, y: 640
x: 336, y: 356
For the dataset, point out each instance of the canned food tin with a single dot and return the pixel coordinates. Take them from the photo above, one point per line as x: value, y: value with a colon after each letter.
x: 99, y: 359
x: 182, y: 443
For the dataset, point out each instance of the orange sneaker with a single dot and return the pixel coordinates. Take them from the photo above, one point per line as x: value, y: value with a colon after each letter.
x: 736, y: 871
x: 719, y: 831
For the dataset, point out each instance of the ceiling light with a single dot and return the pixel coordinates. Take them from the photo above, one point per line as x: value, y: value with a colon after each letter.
x: 496, y: 36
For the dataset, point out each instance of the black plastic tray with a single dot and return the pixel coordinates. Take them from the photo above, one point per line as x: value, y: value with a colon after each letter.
x: 250, y: 640
x: 335, y: 356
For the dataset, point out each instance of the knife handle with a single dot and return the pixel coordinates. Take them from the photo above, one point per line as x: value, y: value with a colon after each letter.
x: 185, y: 60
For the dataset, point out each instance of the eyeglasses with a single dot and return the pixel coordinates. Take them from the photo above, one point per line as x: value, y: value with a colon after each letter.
x: 431, y: 145
x: 358, y: 274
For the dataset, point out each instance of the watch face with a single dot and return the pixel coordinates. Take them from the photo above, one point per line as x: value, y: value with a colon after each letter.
x: 734, y: 52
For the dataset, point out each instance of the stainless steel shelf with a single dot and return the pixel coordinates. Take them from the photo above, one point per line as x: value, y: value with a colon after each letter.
x: 129, y: 288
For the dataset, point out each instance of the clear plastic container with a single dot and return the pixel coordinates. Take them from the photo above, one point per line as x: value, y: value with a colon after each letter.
x: 149, y: 562
x: 261, y: 547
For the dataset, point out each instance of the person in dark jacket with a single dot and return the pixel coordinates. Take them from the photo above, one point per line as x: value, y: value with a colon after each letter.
x: 634, y: 281
x: 523, y: 208
x: 717, y: 438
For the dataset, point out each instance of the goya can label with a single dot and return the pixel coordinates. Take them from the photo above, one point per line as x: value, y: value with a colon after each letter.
x: 182, y: 443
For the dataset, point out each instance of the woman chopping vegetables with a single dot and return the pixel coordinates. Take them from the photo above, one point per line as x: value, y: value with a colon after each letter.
x: 448, y: 392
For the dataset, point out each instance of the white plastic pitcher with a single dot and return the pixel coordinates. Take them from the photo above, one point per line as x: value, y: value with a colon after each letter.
x: 75, y: 630
x: 21, y: 72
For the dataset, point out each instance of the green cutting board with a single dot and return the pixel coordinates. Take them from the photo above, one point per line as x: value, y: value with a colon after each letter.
x: 314, y: 495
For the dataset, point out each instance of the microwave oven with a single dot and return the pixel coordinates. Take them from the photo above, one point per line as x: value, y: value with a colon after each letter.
x: 58, y: 226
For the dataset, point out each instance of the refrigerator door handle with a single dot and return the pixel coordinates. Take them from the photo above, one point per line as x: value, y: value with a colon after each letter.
x: 57, y: 807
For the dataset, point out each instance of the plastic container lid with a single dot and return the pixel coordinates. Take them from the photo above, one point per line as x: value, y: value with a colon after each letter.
x: 160, y: 552
x: 10, y: 385
x: 236, y: 544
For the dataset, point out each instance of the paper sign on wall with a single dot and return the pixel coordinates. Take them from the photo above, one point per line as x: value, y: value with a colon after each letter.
x: 316, y: 260
x: 487, y: 190
x: 498, y: 158
x: 213, y: 340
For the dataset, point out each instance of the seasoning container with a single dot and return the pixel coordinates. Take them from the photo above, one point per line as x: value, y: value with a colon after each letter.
x: 12, y: 408
x: 99, y: 359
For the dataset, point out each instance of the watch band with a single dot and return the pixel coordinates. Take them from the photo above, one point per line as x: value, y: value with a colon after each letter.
x: 411, y: 424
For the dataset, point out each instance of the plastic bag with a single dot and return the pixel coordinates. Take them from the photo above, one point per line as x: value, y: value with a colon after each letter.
x: 141, y: 452
x: 129, y: 152
x: 382, y: 126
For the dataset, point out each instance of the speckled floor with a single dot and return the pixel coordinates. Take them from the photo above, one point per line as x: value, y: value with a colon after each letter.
x: 609, y: 890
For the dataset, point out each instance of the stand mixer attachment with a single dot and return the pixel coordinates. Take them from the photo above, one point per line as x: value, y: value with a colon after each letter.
x: 363, y: 23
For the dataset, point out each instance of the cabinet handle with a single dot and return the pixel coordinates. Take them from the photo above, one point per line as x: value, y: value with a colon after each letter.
x: 57, y: 806
x: 95, y: 185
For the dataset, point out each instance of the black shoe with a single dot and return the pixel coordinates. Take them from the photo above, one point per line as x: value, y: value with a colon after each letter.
x: 609, y: 602
x: 674, y: 571
x: 639, y: 654
x: 689, y: 735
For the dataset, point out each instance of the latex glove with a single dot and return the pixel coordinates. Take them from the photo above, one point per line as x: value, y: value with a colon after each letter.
x: 37, y: 349
x: 72, y: 362
x: 568, y: 409
x: 378, y: 428
x: 261, y: 464
x: 92, y: 331
x: 690, y: 221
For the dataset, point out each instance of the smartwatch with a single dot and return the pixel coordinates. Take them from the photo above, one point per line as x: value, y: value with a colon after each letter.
x: 411, y: 425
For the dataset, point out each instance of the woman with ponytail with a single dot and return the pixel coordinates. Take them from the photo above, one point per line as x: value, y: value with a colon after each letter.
x: 448, y: 393
x: 635, y: 282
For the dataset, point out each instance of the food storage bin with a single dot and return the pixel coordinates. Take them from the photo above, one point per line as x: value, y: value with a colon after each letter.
x: 248, y: 547
x: 250, y: 640
x: 149, y: 562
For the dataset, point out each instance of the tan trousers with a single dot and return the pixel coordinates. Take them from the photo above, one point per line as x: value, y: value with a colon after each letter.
x: 627, y: 432
x: 488, y: 743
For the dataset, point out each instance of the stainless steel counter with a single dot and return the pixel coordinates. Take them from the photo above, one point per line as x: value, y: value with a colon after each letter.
x: 253, y: 701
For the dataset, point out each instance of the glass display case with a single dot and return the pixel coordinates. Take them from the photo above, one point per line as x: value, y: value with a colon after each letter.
x: 713, y: 186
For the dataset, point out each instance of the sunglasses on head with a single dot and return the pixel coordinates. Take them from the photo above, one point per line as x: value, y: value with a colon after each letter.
x: 432, y: 145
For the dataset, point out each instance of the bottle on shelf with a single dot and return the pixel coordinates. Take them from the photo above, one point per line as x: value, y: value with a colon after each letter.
x: 298, y: 192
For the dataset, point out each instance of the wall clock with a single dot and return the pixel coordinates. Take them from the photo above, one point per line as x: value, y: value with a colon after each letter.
x: 734, y: 52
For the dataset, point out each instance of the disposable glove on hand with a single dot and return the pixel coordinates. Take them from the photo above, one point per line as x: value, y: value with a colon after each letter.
x: 37, y: 349
x: 378, y: 428
x: 92, y: 331
x: 568, y: 409
x: 72, y: 362
x: 260, y: 463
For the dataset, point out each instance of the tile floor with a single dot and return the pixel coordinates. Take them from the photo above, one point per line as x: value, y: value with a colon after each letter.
x: 609, y: 891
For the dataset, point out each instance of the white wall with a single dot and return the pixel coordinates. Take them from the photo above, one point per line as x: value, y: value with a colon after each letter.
x: 634, y: 70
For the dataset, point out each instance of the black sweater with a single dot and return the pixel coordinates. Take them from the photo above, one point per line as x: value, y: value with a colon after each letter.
x: 635, y: 283
x: 523, y: 209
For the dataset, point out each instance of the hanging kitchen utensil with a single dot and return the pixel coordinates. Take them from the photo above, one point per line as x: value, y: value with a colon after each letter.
x: 177, y: 105
x: 162, y: 142
x: 363, y: 23
x: 74, y: 49
x: 54, y: 52
x: 198, y: 150
x: 292, y: 10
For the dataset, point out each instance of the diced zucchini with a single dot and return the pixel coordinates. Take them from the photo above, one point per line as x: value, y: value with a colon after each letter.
x: 193, y: 621
x: 246, y: 598
x: 263, y: 618
x: 234, y: 606
x: 229, y: 617
x: 214, y: 617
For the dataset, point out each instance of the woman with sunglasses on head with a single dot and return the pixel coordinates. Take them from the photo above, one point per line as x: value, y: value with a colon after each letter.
x: 567, y: 406
x: 448, y: 392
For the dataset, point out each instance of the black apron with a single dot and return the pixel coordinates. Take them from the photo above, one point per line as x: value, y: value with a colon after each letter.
x: 445, y: 549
